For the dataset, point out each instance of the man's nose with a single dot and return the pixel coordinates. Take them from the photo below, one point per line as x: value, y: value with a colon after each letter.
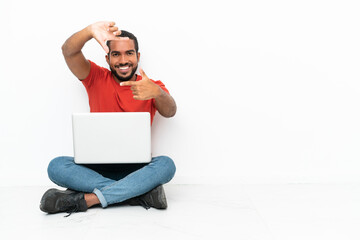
x: 123, y: 59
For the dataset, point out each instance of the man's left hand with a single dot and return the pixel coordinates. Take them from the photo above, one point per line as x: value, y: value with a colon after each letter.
x: 144, y: 89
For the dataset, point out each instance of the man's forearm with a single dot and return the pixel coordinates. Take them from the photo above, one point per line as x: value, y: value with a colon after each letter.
x: 165, y: 104
x: 76, y: 42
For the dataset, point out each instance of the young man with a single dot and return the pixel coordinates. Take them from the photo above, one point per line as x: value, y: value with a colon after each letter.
x: 118, y: 90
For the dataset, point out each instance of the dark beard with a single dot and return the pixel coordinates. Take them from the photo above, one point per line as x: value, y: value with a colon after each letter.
x: 122, y: 79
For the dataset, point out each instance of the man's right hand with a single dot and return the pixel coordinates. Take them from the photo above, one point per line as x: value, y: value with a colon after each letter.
x: 104, y: 31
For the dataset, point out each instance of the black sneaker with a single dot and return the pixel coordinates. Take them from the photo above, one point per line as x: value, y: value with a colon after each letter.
x: 155, y: 198
x: 55, y: 201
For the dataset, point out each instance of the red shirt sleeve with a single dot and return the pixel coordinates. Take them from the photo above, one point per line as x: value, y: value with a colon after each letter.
x: 162, y: 85
x: 96, y: 72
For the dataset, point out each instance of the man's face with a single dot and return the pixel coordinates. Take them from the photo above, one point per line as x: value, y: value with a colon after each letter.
x: 123, y: 59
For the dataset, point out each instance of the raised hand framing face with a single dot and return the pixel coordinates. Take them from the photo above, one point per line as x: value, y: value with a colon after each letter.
x: 104, y: 31
x: 144, y: 89
x: 101, y: 31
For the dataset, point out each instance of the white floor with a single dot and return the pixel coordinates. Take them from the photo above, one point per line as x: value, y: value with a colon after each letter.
x: 281, y: 212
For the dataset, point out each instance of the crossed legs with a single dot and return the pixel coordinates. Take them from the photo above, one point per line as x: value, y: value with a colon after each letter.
x: 110, y: 184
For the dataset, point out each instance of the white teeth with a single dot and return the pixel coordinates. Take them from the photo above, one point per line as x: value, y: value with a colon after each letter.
x: 124, y: 68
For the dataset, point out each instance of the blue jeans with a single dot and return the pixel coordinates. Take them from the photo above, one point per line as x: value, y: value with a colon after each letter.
x: 112, y: 183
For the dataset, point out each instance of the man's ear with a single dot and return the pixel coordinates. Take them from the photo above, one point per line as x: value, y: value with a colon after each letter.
x: 138, y: 56
x: 107, y: 59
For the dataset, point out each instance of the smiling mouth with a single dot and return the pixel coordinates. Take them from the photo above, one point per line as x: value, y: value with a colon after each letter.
x: 123, y: 69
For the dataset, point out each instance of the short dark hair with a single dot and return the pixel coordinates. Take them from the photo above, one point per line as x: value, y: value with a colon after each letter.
x: 130, y: 36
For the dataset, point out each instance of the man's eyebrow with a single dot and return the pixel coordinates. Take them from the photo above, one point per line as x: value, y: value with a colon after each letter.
x: 128, y: 51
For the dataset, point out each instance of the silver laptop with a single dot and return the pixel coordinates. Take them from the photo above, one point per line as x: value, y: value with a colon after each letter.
x: 121, y: 137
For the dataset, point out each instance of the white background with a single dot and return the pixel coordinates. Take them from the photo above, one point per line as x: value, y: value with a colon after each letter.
x: 267, y: 91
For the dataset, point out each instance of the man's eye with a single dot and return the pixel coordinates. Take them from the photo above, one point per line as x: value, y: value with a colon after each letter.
x: 115, y: 54
x: 130, y: 53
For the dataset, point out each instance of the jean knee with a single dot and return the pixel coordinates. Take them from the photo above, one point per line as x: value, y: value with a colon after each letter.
x: 169, y: 166
x: 56, y: 166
